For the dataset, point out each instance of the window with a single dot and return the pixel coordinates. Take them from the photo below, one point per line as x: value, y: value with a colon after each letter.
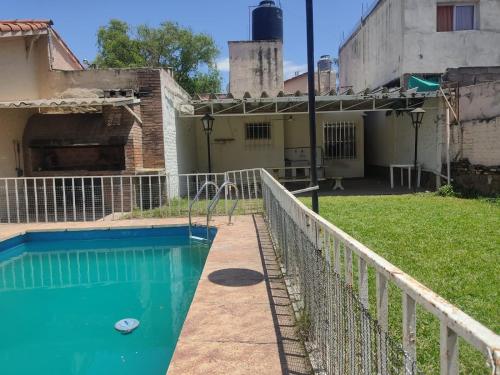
x: 456, y: 17
x: 340, y: 140
x: 258, y: 131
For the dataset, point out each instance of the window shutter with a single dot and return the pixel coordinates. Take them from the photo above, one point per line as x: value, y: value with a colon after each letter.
x: 445, y: 18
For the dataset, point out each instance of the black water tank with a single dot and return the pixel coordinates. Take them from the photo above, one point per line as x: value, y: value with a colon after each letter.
x: 267, y: 21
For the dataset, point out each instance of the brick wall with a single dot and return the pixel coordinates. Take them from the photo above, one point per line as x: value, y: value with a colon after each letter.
x: 125, y: 125
x: 115, y: 126
x: 152, y: 118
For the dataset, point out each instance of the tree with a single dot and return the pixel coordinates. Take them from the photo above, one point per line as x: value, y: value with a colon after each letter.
x: 191, y: 56
x: 116, y: 48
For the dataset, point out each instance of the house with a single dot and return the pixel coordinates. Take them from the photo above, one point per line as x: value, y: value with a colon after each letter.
x: 396, y: 39
x: 453, y: 43
x: 325, y: 79
x: 261, y: 123
x: 59, y: 119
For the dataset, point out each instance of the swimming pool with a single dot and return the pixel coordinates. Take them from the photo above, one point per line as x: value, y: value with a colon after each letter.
x: 62, y: 292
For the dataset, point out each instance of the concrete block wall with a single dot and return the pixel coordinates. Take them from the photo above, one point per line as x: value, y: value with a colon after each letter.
x: 173, y: 98
x: 479, y: 136
x: 472, y: 75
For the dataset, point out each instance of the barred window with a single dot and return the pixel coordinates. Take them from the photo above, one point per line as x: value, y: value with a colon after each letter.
x: 339, y: 140
x: 258, y: 131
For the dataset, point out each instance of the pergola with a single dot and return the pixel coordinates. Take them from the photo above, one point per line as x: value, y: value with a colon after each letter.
x: 394, y: 99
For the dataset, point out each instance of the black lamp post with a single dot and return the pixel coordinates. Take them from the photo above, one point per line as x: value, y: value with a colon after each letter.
x: 312, y: 101
x: 417, y: 115
x: 208, y: 125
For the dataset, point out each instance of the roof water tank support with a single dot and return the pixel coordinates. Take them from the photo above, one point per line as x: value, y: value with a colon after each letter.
x: 267, y: 21
x: 325, y: 63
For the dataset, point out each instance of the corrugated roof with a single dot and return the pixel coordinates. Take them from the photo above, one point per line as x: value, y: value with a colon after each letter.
x: 24, y: 25
x: 68, y: 102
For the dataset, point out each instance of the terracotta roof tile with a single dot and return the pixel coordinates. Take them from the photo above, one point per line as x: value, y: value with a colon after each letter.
x: 24, y: 25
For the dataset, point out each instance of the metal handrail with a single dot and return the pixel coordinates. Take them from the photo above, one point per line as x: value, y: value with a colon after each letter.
x: 197, y: 198
x: 215, y: 200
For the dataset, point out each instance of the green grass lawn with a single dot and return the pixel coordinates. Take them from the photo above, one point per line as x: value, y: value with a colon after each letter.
x: 451, y: 245
x: 180, y: 208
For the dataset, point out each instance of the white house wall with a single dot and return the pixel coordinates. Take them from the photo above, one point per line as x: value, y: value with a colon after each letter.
x: 391, y: 139
x: 231, y: 151
x: 12, y: 124
x: 19, y: 70
x: 297, y: 135
x: 187, y: 150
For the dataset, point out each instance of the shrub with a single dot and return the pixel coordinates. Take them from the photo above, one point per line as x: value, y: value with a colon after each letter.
x: 446, y: 191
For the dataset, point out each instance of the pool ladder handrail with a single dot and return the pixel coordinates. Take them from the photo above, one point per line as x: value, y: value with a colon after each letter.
x: 216, y: 199
x: 213, y: 203
x: 197, y: 198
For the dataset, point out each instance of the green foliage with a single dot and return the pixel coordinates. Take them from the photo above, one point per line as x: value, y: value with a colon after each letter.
x: 116, y: 48
x: 446, y: 191
x: 191, y: 56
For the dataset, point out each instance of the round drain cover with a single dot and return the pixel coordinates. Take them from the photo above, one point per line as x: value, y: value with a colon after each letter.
x: 126, y: 325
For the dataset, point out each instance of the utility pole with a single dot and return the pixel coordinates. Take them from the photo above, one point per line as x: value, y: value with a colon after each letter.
x: 312, y: 102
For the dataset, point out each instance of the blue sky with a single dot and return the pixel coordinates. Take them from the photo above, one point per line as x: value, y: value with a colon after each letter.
x: 78, y: 21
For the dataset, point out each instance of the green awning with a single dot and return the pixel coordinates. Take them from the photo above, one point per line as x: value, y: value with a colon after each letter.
x: 422, y: 85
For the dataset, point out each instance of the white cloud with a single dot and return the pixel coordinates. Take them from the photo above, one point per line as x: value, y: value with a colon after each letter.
x: 223, y: 64
x: 291, y: 68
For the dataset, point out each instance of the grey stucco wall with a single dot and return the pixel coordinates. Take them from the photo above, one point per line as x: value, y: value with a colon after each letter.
x: 400, y: 37
x: 256, y: 66
x: 373, y: 55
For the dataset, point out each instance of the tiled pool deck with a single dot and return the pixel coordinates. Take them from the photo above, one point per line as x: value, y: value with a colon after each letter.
x: 240, y: 321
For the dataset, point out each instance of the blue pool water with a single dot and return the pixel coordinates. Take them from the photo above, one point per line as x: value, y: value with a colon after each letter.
x: 62, y: 292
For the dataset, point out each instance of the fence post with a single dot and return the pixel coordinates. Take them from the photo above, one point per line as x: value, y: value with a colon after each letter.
x: 496, y: 361
x: 383, y: 321
x: 7, y: 195
x: 348, y: 265
x: 74, y: 198
x: 64, y: 199
x: 35, y: 187
x: 448, y: 344
x: 409, y: 331
x: 83, y: 200
x: 26, y: 200
x: 365, y: 322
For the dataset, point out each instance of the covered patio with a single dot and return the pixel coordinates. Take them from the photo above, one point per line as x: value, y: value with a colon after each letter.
x: 358, y: 135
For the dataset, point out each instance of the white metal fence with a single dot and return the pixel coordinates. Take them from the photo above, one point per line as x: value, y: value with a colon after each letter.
x: 87, y: 198
x: 328, y: 271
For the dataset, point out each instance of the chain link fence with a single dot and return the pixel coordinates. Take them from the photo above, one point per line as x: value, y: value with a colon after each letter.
x: 342, y: 335
x: 327, y: 274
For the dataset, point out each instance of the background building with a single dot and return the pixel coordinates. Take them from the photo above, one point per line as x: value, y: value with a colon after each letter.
x: 325, y: 79
x: 58, y: 119
x: 399, y: 38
